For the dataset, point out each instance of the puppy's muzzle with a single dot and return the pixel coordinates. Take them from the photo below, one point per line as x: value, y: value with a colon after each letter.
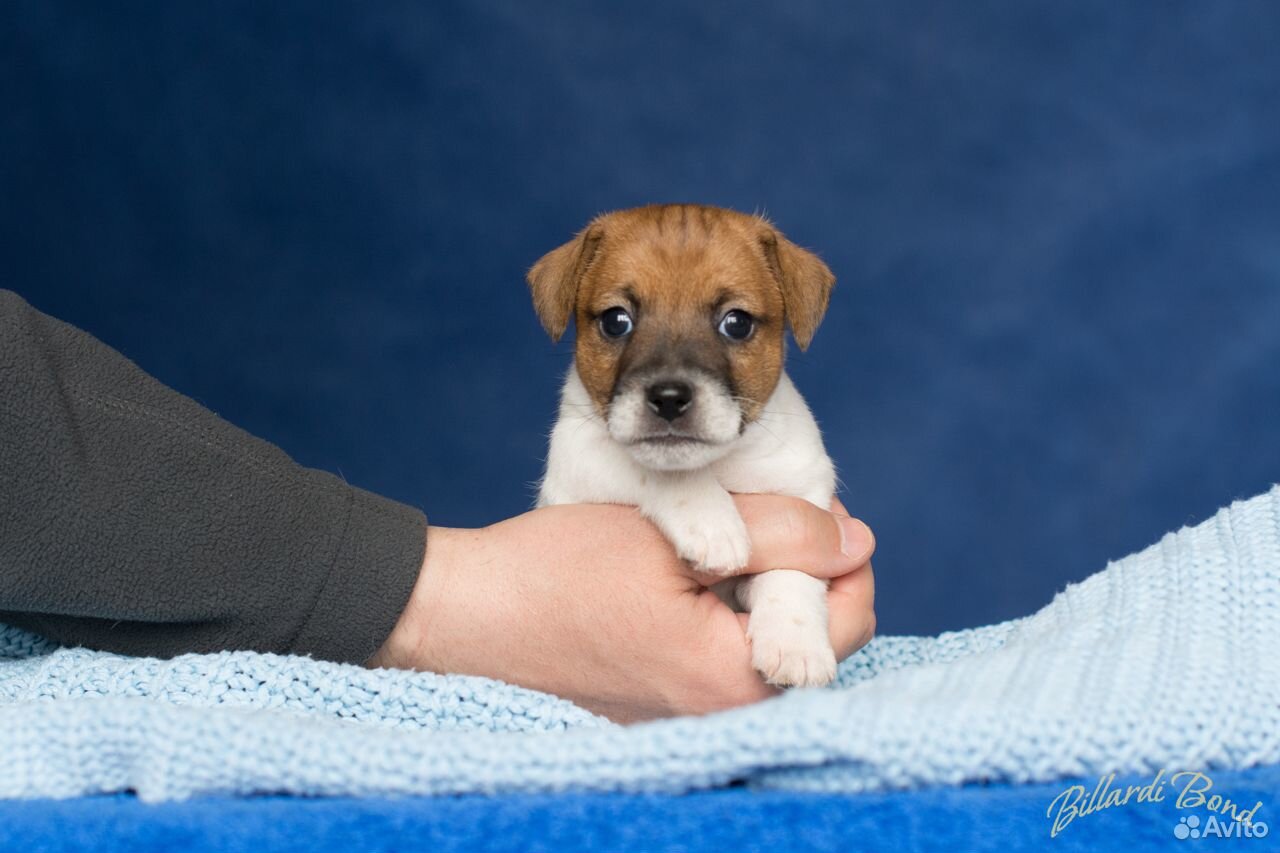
x: 669, y: 399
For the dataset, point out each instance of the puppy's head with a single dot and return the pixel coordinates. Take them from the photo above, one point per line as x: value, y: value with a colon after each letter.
x: 680, y: 312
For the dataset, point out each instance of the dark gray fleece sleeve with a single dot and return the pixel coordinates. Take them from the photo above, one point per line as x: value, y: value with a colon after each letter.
x: 132, y: 519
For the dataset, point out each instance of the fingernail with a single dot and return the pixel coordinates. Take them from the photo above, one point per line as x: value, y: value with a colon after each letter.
x: 855, y: 537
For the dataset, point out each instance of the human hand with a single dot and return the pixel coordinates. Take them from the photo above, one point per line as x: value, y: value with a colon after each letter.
x: 591, y: 603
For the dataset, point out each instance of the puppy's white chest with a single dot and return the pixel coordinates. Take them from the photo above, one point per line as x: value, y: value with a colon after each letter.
x: 780, y: 453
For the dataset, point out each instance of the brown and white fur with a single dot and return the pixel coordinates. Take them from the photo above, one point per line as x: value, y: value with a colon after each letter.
x: 737, y: 424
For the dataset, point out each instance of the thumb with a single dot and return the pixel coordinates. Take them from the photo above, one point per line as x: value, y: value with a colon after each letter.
x: 791, y: 533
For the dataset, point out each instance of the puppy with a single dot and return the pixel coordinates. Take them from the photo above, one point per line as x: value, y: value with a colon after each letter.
x: 677, y: 397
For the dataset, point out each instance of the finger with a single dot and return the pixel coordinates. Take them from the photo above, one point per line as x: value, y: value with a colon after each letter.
x: 851, y: 609
x: 790, y: 533
x: 731, y: 680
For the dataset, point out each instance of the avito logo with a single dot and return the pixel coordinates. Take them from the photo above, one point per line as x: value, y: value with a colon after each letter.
x: 1189, y: 828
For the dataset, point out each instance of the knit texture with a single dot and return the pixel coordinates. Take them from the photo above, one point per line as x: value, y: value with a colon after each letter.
x: 1169, y: 658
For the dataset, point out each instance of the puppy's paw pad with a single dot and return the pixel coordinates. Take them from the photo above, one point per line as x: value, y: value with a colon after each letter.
x: 791, y: 656
x: 717, y: 550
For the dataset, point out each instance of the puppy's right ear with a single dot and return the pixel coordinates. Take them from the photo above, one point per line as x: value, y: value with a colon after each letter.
x: 554, y: 279
x: 805, y: 282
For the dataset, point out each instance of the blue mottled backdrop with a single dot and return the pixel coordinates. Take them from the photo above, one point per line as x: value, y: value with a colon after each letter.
x: 1056, y: 227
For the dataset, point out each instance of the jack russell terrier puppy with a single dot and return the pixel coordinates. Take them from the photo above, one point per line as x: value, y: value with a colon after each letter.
x: 677, y: 397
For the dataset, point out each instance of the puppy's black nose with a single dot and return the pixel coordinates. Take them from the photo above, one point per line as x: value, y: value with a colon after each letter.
x: 669, y: 400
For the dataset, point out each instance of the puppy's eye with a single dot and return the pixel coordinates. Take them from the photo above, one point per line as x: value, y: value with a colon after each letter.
x: 616, y: 323
x: 737, y: 325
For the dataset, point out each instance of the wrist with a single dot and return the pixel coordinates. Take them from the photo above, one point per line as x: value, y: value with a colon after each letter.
x: 412, y: 643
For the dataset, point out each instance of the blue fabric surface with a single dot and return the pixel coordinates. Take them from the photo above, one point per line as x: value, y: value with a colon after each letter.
x: 1053, y: 223
x: 946, y: 820
x: 1169, y: 658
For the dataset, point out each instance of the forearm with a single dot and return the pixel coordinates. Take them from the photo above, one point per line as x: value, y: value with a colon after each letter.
x: 135, y: 520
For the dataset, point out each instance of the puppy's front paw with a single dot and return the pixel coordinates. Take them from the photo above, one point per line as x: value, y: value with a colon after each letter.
x: 719, y: 548
x: 790, y: 650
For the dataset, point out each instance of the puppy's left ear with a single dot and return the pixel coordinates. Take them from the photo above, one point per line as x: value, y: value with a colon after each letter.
x: 805, y: 281
x: 554, y: 279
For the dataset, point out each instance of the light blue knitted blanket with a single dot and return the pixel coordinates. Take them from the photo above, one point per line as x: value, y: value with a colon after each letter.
x: 1169, y: 658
